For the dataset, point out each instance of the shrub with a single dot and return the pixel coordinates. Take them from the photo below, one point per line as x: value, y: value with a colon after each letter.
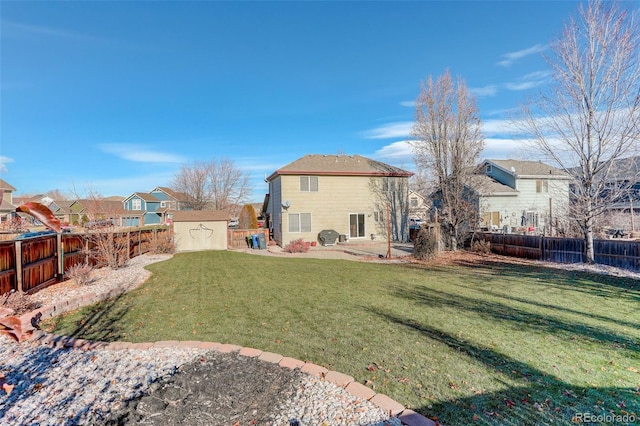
x: 481, y: 246
x: 248, y: 219
x: 81, y: 273
x: 425, y: 246
x: 162, y: 242
x: 21, y: 303
x: 297, y: 246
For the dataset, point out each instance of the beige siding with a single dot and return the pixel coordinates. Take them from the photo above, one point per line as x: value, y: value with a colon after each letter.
x: 275, y: 208
x: 337, y: 197
x: 196, y: 236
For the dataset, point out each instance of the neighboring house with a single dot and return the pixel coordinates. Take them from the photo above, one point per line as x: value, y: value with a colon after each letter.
x: 418, y: 206
x: 7, y: 207
x: 62, y: 210
x: 142, y: 209
x: 342, y: 193
x: 86, y: 210
x: 170, y: 199
x: 627, y: 178
x: 153, y: 208
x: 196, y: 230
x: 526, y: 195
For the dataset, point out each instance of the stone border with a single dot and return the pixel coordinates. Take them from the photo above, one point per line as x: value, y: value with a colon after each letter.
x: 28, y: 328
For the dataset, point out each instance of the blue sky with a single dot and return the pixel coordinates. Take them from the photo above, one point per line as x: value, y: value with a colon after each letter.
x: 113, y: 97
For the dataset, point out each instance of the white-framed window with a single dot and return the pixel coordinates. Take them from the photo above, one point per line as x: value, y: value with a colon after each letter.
x: 356, y: 225
x: 388, y: 184
x: 163, y: 203
x: 414, y: 202
x: 308, y: 183
x: 531, y: 219
x: 136, y: 204
x: 488, y: 168
x: 542, y: 186
x: 299, y: 222
x: 378, y: 216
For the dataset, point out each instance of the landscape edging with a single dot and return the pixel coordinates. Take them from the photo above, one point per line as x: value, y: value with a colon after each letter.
x: 35, y: 335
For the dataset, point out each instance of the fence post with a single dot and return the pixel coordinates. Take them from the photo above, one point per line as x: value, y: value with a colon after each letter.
x: 542, y: 247
x: 19, y: 266
x: 60, y: 254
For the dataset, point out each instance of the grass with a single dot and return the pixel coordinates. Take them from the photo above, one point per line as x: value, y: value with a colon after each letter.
x: 492, y: 343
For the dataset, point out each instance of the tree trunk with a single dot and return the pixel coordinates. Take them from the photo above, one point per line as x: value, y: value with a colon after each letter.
x: 589, y: 251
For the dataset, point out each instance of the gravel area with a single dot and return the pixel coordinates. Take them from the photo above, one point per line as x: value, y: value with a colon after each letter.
x: 65, y: 386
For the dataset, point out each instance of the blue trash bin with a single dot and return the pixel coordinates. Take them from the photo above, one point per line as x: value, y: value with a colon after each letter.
x: 254, y: 238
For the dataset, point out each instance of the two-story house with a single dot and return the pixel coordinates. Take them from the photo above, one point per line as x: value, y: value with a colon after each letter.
x: 142, y: 209
x: 349, y: 194
x: 154, y: 207
x: 6, y: 205
x: 418, y: 206
x: 525, y: 195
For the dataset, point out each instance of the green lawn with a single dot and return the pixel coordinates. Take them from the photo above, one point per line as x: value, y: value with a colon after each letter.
x: 490, y: 344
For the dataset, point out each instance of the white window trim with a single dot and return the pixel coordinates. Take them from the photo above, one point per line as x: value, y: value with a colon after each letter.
x: 299, y: 228
x: 136, y: 204
x: 364, y: 233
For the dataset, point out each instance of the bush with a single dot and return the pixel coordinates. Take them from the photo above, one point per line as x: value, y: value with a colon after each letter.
x: 21, y: 303
x: 425, y: 246
x: 248, y: 219
x: 481, y: 246
x: 162, y: 242
x: 297, y: 246
x: 81, y: 273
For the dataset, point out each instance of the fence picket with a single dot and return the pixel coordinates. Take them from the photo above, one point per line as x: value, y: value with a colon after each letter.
x: 619, y: 254
x: 34, y: 264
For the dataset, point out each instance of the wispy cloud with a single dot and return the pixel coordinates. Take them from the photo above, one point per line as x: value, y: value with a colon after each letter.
x: 14, y: 28
x: 3, y: 163
x: 529, y: 81
x: 395, y: 151
x: 498, y: 127
x: 124, y: 185
x: 399, y: 129
x: 490, y: 90
x: 140, y: 153
x: 408, y: 104
x: 403, y: 129
x: 401, y: 153
x: 43, y: 32
x: 511, y: 57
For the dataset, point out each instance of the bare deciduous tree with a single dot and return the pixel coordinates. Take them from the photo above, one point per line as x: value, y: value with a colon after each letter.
x: 391, y: 201
x: 192, y: 179
x: 448, y: 146
x: 588, y: 119
x: 228, y: 184
x: 217, y: 184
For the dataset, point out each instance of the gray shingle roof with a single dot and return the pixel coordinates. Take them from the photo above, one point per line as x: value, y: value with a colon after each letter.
x: 486, y: 185
x: 339, y: 165
x: 529, y: 168
x: 4, y: 185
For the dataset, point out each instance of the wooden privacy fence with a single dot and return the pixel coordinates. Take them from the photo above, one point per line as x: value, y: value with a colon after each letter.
x: 31, y: 264
x: 620, y: 254
x: 237, y: 238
